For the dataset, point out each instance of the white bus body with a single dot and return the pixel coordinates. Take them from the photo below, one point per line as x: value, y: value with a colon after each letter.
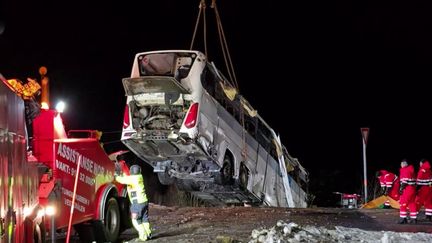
x: 186, y: 120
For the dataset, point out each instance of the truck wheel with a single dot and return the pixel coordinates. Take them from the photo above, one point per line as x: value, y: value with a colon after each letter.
x: 124, y: 206
x: 112, y: 220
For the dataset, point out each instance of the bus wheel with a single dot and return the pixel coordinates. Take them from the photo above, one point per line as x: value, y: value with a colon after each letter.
x: 226, y: 174
x: 243, y: 177
x: 112, y: 220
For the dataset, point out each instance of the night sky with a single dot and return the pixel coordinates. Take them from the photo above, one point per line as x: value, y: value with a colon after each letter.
x: 316, y: 71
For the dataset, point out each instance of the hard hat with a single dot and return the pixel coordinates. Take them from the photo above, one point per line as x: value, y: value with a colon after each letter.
x: 135, y: 170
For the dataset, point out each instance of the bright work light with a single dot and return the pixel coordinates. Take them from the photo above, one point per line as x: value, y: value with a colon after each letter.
x: 60, y: 106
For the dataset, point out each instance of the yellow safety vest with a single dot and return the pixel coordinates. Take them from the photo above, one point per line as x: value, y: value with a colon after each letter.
x: 135, y: 187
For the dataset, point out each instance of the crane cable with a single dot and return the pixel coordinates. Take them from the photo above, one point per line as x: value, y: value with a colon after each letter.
x: 224, y: 46
x: 226, y: 55
x: 231, y: 74
x: 222, y: 39
x: 202, y: 7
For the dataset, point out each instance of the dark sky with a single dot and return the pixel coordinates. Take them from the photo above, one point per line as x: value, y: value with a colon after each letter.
x: 317, y: 71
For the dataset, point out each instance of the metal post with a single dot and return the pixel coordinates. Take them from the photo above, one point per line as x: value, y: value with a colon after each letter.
x: 53, y: 230
x: 364, y: 172
x: 73, y: 199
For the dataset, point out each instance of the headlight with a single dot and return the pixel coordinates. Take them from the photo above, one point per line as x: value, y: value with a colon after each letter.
x: 60, y: 106
x: 50, y: 210
x: 27, y: 211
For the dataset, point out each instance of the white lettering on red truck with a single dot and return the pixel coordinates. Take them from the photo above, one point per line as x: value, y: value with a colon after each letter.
x: 72, y: 155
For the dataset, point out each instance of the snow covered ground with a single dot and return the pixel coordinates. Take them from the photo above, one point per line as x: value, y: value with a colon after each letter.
x: 292, y: 232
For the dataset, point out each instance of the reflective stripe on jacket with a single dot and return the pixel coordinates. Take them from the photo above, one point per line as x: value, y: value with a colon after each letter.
x: 407, y: 175
x: 424, y: 175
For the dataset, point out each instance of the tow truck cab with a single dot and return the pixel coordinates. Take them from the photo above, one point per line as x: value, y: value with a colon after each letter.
x: 40, y: 183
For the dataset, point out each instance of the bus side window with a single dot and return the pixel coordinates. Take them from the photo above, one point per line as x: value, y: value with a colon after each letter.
x: 250, y: 126
x: 230, y: 109
x: 219, y: 94
x: 273, y: 152
x: 262, y: 140
x: 263, y: 135
x: 208, y: 81
x: 296, y: 175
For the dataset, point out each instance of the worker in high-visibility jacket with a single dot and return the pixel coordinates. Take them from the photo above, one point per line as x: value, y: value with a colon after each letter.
x: 389, y: 183
x: 408, y: 193
x: 424, y: 188
x: 138, y: 199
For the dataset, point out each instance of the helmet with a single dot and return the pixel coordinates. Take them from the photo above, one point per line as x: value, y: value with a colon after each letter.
x: 135, y: 170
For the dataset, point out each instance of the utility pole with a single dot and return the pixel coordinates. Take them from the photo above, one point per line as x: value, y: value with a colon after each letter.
x: 365, y: 134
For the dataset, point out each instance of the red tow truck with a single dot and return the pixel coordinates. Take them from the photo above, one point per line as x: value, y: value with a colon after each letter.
x: 43, y: 176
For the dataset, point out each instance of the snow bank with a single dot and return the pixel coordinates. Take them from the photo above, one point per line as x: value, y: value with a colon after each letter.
x: 292, y: 232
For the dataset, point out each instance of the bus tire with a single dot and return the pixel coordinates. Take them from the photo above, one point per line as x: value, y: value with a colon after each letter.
x: 225, y: 176
x: 243, y: 177
x: 112, y: 220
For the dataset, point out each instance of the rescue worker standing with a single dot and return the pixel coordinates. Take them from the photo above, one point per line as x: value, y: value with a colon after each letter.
x: 138, y: 199
x: 424, y: 185
x: 389, y: 185
x: 407, y: 191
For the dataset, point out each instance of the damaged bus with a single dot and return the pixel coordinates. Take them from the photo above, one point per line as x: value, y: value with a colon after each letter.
x: 187, y: 121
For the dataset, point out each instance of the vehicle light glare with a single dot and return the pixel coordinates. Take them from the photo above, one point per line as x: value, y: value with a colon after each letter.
x: 60, y: 106
x: 26, y: 212
x: 50, y: 210
x: 44, y: 106
x: 41, y: 213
